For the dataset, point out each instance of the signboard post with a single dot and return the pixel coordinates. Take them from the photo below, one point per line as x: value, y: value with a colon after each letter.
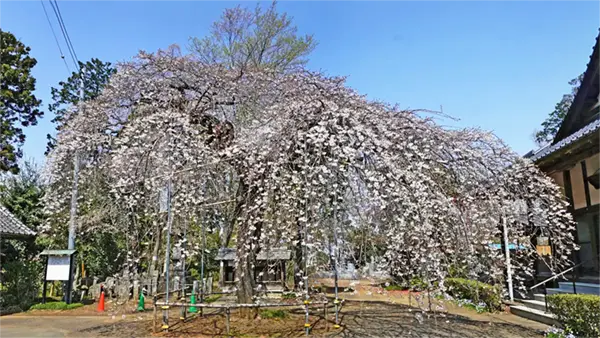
x: 59, y: 266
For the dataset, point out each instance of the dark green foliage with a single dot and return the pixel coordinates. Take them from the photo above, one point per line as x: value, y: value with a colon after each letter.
x: 475, y: 291
x: 102, y: 253
x: 552, y: 123
x: 18, y: 105
x: 95, y: 75
x: 579, y: 314
x: 56, y: 306
x: 20, y: 283
x: 22, y: 195
x: 273, y: 314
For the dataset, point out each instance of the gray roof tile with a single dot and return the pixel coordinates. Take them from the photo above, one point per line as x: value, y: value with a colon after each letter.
x: 11, y: 226
x: 548, y: 150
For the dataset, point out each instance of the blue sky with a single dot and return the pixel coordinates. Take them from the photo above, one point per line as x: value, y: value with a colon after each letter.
x: 500, y: 66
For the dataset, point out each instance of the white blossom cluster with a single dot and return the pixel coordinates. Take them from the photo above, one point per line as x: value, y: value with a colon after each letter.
x: 299, y: 160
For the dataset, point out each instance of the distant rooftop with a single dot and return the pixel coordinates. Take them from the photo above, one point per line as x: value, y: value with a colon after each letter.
x: 228, y: 254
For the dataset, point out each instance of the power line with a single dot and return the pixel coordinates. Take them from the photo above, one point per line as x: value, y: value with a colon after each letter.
x: 66, y: 32
x: 65, y: 35
x: 62, y: 55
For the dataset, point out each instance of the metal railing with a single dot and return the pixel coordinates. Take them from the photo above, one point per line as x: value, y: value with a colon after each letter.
x: 573, y: 279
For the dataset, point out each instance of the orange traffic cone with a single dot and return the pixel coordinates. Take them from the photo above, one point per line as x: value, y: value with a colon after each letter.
x: 101, y: 302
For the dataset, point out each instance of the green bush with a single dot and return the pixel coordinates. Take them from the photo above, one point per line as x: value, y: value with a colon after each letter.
x: 395, y: 288
x: 289, y: 295
x: 417, y: 284
x: 579, y: 314
x: 475, y: 291
x: 212, y: 298
x: 273, y: 314
x: 414, y: 284
x: 56, y: 306
x: 20, y: 283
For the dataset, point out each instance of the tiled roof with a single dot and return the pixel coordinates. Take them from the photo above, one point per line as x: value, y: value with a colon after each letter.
x: 11, y: 226
x: 588, y: 129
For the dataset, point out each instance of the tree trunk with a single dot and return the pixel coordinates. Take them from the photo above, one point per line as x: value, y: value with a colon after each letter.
x: 244, y: 274
x: 156, y: 251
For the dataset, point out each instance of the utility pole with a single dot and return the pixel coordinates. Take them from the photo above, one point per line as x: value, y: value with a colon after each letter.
x: 74, y: 192
x: 73, y: 211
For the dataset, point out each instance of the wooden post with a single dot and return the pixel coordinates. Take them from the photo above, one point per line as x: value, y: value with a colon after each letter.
x: 70, y: 282
x: 45, y: 282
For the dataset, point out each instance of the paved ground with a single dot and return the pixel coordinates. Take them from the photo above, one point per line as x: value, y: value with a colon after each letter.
x: 48, y: 326
x: 369, y: 312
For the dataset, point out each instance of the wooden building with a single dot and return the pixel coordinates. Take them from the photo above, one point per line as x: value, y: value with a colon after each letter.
x: 573, y: 161
x: 269, y: 271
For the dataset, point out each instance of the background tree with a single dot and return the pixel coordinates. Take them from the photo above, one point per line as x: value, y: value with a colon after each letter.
x: 18, y: 104
x: 244, y: 40
x: 552, y: 123
x: 22, y: 195
x: 95, y: 74
x: 21, y: 270
x: 247, y: 40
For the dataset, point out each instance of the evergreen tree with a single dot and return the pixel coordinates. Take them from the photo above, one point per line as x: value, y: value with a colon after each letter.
x: 18, y: 104
x: 95, y: 75
x: 552, y: 123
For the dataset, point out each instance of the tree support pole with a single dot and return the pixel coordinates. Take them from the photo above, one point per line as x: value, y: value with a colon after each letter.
x: 167, y: 257
x: 507, y: 255
x: 227, y: 315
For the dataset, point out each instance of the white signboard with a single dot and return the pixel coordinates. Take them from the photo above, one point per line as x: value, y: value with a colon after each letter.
x: 58, y: 268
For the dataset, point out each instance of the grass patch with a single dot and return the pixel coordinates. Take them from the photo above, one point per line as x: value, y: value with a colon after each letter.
x: 281, y: 314
x: 212, y: 298
x: 55, y: 306
x: 395, y: 288
x: 290, y: 295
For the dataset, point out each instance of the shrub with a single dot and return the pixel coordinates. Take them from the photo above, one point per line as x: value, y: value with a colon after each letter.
x: 273, y: 314
x: 553, y: 332
x: 475, y: 291
x: 417, y: 284
x: 20, y: 283
x: 56, y: 306
x: 212, y: 298
x: 579, y: 314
